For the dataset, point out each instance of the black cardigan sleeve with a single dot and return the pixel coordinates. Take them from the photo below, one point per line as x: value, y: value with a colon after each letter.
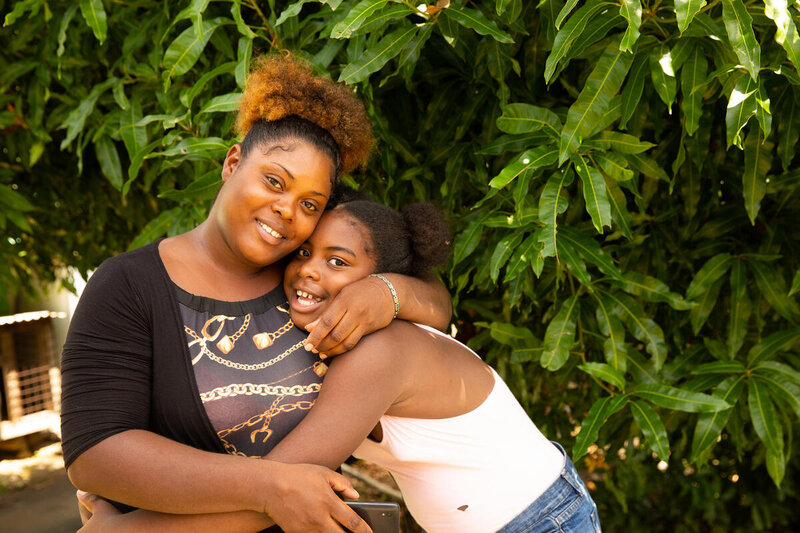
x: 106, y: 365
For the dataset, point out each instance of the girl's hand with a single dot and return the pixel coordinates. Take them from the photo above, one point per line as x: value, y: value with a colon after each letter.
x: 97, y: 515
x: 360, y: 308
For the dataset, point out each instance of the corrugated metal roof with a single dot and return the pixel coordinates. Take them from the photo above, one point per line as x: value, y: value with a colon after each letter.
x: 30, y: 316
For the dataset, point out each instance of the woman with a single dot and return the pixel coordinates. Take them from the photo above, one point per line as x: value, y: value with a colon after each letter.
x: 464, y: 453
x: 183, y: 348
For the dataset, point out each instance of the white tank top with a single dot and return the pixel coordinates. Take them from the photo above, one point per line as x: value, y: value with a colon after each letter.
x: 471, y: 473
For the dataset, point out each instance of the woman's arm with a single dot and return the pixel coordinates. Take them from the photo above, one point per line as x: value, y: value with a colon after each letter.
x: 367, y: 305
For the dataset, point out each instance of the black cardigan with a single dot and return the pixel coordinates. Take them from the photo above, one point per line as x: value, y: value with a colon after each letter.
x: 125, y: 364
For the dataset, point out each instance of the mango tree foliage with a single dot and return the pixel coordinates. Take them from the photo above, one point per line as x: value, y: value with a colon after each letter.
x: 621, y: 178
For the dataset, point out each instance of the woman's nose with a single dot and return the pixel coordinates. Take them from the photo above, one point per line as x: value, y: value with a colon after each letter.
x: 283, y: 210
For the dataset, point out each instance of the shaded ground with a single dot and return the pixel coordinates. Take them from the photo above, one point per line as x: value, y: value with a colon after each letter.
x: 35, y: 494
x: 37, y: 497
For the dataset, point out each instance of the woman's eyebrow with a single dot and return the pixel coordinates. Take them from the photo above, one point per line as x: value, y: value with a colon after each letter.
x: 315, y: 193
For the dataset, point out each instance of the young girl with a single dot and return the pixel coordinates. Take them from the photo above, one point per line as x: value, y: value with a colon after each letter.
x: 464, y: 453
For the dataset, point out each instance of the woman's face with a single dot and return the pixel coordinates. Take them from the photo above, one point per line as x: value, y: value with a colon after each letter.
x: 271, y: 200
x: 335, y: 255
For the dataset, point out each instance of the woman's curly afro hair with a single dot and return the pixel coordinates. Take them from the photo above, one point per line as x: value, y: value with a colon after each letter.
x: 280, y: 86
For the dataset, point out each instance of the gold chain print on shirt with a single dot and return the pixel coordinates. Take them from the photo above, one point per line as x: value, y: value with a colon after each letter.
x: 227, y: 342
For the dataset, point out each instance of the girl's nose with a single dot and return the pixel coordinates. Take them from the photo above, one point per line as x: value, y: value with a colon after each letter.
x: 309, y: 269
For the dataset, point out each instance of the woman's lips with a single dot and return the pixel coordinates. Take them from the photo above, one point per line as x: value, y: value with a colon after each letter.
x: 269, y: 233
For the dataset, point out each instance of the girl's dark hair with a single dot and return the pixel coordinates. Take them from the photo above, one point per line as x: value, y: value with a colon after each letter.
x: 409, y: 242
x: 263, y: 132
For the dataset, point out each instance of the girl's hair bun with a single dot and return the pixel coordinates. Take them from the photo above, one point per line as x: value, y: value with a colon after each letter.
x: 430, y: 237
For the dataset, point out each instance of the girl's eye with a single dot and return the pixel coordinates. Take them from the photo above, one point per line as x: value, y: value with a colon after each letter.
x: 335, y: 261
x: 275, y: 182
x: 303, y: 253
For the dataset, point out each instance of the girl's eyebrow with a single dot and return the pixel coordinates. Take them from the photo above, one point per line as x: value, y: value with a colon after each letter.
x: 341, y: 249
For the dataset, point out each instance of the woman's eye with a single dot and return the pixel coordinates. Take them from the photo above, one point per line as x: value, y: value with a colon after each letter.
x: 275, y: 182
x: 311, y: 206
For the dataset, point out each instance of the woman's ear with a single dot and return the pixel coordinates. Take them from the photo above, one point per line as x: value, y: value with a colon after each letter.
x: 232, y: 161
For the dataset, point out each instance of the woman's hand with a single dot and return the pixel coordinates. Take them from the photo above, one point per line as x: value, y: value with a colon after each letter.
x: 301, y: 500
x: 360, y: 308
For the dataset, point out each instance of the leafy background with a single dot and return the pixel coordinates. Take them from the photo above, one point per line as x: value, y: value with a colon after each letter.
x: 620, y: 176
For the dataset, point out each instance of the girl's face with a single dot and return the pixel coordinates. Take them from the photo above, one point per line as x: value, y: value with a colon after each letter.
x: 271, y: 200
x: 335, y: 255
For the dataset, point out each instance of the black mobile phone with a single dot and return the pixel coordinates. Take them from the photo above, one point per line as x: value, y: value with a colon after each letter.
x: 381, y: 517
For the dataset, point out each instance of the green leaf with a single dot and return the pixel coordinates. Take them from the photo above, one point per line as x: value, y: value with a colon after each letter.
x: 631, y: 11
x: 602, y: 84
x: 771, y: 345
x: 466, y: 241
x: 291, y: 11
x: 710, y: 272
x: 710, y: 425
x: 62, y: 29
x: 599, y: 413
x: 186, y: 49
x: 155, y: 228
x: 95, y: 15
x: 662, y: 74
x: 786, y: 34
x: 685, y: 10
x: 788, y: 125
x: 571, y: 31
x: 614, y: 165
x: 552, y: 204
x: 197, y: 148
x: 356, y: 16
x: 244, y: 53
x: 203, y: 188
x: 508, y: 334
x: 641, y: 327
x: 757, y: 162
x: 594, y: 193
x: 575, y: 264
x: 693, y: 74
x: 20, y: 8
x: 241, y: 25
x: 222, y: 104
x: 605, y: 372
x: 738, y: 24
x: 773, y: 288
x: 76, y: 119
x: 200, y: 84
x: 719, y: 367
x: 14, y: 200
x: 776, y: 465
x: 565, y: 11
x: 647, y: 166
x: 502, y: 252
x: 527, y: 161
x: 632, y: 92
x: 560, y: 335
x: 610, y: 325
x: 527, y: 118
x: 620, y: 142
x: 765, y: 422
x: 109, y: 161
x: 591, y: 251
x: 679, y: 399
x: 651, y: 289
x: 652, y: 427
x: 782, y: 381
x: 475, y: 20
x: 378, y: 55
x: 522, y: 257
x: 740, y: 308
x: 133, y: 136
x: 795, y: 283
x: 741, y: 106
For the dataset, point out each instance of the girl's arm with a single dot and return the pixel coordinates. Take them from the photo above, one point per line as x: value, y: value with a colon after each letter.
x: 367, y: 305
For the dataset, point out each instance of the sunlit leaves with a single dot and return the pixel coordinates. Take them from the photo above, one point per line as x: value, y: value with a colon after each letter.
x: 375, y: 57
x: 185, y: 50
x: 95, y: 15
x: 475, y: 20
x: 551, y: 204
x: 653, y: 428
x: 679, y: 399
x: 685, y: 10
x: 768, y: 426
x: 631, y: 10
x: 560, y: 335
x: 738, y: 24
x: 599, y: 413
x: 757, y: 162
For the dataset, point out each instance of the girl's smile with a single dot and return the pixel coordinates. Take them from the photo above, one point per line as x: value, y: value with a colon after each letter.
x: 335, y: 255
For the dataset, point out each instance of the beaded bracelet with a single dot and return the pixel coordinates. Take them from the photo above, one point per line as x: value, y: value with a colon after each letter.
x: 391, y: 289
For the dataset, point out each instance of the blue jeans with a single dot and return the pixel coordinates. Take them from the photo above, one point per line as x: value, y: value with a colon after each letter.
x: 564, y: 507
